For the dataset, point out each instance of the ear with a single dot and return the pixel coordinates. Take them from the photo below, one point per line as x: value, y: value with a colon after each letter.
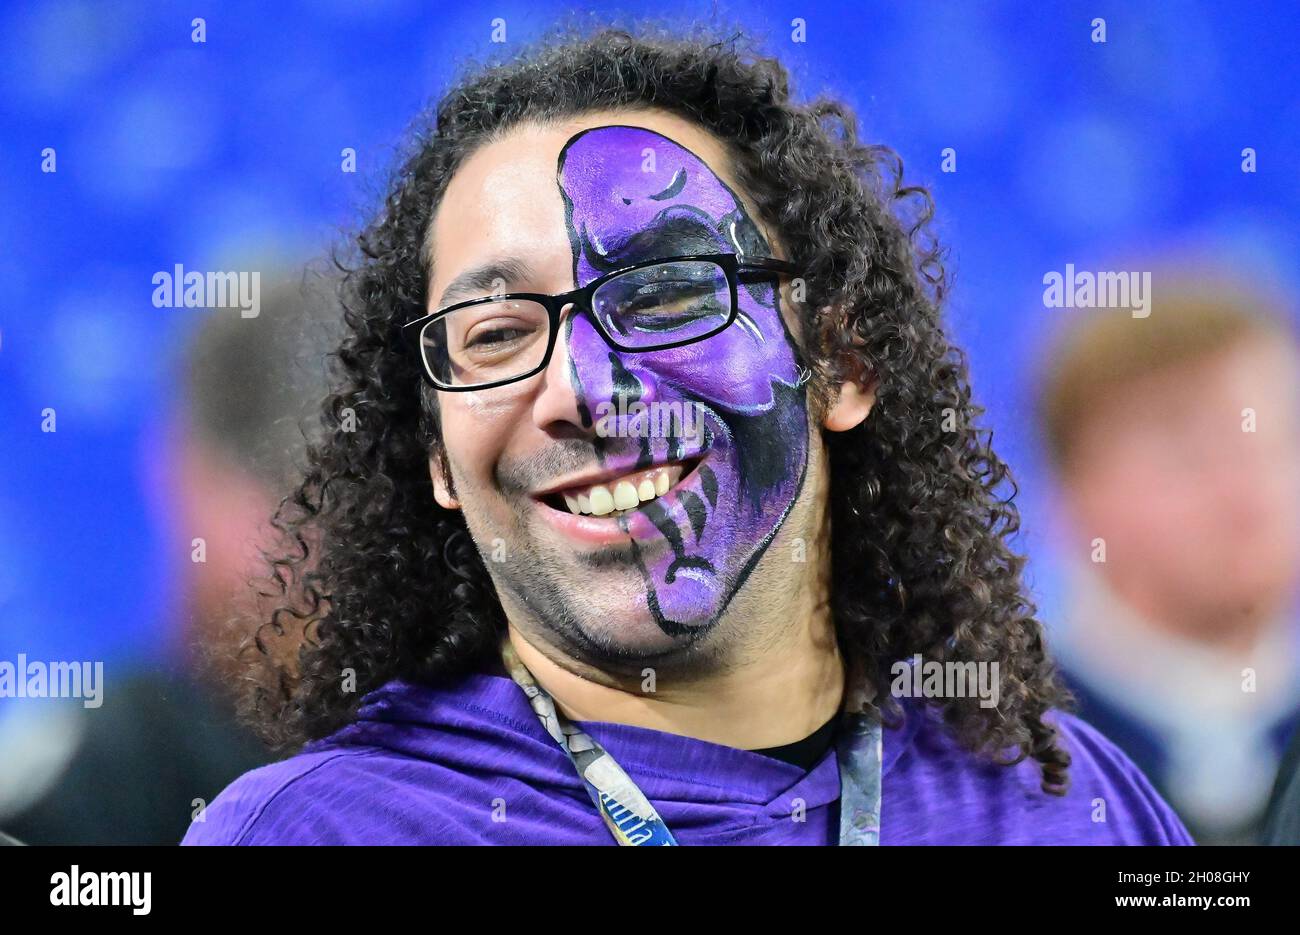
x: 440, y: 474
x: 854, y: 399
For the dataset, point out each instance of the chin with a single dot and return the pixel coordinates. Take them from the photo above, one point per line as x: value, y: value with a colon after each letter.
x: 624, y: 637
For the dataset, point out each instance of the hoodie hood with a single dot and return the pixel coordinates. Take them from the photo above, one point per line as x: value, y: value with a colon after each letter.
x: 467, y: 762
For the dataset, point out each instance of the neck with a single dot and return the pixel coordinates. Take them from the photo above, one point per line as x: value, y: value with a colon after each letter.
x: 783, y: 694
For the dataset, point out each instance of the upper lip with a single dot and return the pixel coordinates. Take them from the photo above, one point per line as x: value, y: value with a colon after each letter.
x: 592, y: 478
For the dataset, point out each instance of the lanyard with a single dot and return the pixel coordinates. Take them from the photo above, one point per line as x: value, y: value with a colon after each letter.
x: 633, y: 821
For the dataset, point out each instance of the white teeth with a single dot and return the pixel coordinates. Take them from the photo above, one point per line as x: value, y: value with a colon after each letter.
x: 622, y: 496
x: 625, y: 496
x: 602, y: 501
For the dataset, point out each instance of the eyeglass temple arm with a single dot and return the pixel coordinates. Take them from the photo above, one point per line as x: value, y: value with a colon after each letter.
x: 762, y: 265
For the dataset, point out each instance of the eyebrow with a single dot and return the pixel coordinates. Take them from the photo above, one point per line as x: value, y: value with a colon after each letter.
x: 675, y: 236
x: 480, y: 280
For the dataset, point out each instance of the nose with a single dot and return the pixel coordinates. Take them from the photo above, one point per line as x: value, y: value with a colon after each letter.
x: 584, y: 371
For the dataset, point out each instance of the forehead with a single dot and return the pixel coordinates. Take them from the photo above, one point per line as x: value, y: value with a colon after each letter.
x: 505, y: 199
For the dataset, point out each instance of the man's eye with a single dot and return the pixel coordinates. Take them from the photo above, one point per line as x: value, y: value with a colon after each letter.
x: 659, y: 321
x: 671, y: 297
x: 670, y: 312
x: 495, y: 337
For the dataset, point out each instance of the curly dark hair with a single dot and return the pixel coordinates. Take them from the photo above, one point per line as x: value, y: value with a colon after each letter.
x: 380, y: 580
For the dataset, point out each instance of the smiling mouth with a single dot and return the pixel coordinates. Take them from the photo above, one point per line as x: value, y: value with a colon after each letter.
x: 619, y: 496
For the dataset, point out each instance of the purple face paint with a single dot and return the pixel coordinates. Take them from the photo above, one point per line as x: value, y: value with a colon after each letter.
x: 632, y: 194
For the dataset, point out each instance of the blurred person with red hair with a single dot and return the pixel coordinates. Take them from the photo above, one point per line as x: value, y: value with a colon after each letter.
x: 1176, y: 442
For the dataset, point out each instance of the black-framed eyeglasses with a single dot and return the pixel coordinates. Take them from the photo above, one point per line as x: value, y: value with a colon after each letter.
x: 649, y: 306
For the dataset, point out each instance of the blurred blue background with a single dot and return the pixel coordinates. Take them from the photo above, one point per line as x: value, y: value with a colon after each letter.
x: 169, y: 152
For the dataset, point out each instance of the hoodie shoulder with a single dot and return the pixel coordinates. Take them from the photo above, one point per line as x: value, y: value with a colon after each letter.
x: 253, y: 808
x: 341, y: 795
x: 418, y: 764
x: 938, y: 792
x: 331, y: 796
x: 1116, y: 787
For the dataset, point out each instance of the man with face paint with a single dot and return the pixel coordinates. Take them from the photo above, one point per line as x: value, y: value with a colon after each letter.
x: 649, y: 652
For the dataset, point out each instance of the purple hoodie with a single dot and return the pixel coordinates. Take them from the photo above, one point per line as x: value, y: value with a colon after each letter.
x: 469, y: 763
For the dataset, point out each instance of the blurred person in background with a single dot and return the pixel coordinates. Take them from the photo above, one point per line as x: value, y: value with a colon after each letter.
x: 1176, y: 442
x: 165, y: 741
